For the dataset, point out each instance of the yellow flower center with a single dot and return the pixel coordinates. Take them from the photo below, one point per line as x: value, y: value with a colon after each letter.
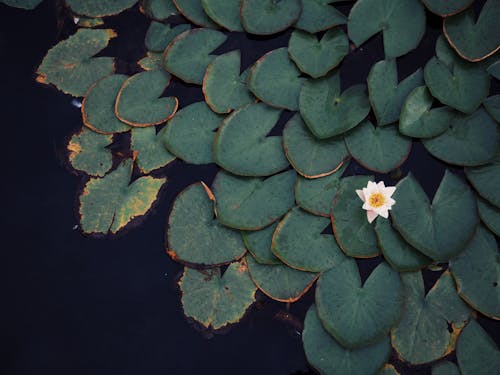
x: 376, y: 200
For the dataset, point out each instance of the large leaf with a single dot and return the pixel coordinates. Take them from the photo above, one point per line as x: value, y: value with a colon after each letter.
x: 318, y: 15
x: 88, y: 152
x: 486, y: 180
x: 225, y: 13
x: 151, y: 153
x: 258, y: 243
x: 490, y: 215
x: 264, y: 17
x: 159, y: 35
x: 158, y: 9
x: 193, y: 11
x: 99, y: 8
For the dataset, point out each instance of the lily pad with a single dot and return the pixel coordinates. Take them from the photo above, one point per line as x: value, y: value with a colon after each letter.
x: 422, y: 335
x: 194, y: 237
x: 158, y: 10
x: 99, y: 8
x: 139, y: 104
x: 379, y: 149
x: 252, y: 203
x: 446, y: 8
x: 275, y: 80
x: 70, y: 65
x: 326, y: 111
x: 494, y: 70
x: 402, y: 23
x: 317, y: 57
x: 492, y: 105
x: 23, y: 4
x: 188, y: 55
x: 159, y: 35
x: 88, y: 152
x: 216, y: 300
x: 259, y: 242
x: 386, y: 95
x: 323, y: 157
x: 151, y: 153
x: 265, y: 17
x: 477, y: 273
x: 486, y: 180
x: 109, y: 203
x: 328, y: 357
x: 490, y: 215
x: 445, y: 368
x: 152, y: 61
x: 318, y: 15
x: 224, y: 13
x: 193, y: 11
x: 439, y: 230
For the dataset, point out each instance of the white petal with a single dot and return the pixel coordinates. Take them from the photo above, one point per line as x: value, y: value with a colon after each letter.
x: 381, y: 185
x: 366, y: 206
x: 390, y: 202
x: 371, y: 215
x: 384, y: 212
x: 389, y: 190
x: 361, y: 195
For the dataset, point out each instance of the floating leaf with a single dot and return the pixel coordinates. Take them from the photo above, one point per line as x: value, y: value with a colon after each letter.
x: 194, y: 236
x: 445, y: 368
x: 486, y: 180
x: 88, y: 152
x: 69, y: 65
x: 158, y: 9
x: 151, y: 153
x: 111, y: 202
x: 160, y: 35
x: 152, y: 61
x: 99, y: 8
x: 318, y: 15
x: 216, y: 300
x: 264, y: 17
x: 225, y: 13
x: 23, y: 4
x: 193, y: 11
x: 446, y: 8
x: 259, y: 242
x: 492, y: 105
x: 490, y: 215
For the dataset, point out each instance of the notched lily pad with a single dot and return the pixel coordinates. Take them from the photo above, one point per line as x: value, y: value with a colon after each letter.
x: 224, y: 13
x: 99, y: 8
x: 486, y: 180
x: 258, y: 243
x: 151, y: 153
x: 265, y: 17
x: 159, y: 35
x: 193, y: 11
x: 318, y: 15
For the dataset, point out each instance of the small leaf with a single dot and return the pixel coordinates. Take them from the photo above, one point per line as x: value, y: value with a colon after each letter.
x: 259, y: 242
x: 193, y: 11
x: 265, y: 17
x: 151, y: 153
x: 486, y: 180
x: 318, y: 15
x: 159, y: 35
x: 99, y: 8
x: 225, y: 13
x: 158, y: 10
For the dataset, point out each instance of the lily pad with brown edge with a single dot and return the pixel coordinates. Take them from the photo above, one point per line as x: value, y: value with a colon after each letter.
x: 152, y: 61
x: 159, y: 35
x: 99, y: 8
x: 139, y: 103
x: 242, y: 145
x: 316, y: 195
x: 189, y: 54
x: 190, y: 134
x: 70, y: 65
x: 319, y: 15
x: 195, y: 237
x: 328, y: 357
x: 265, y: 17
x: 158, y: 10
x: 494, y: 69
x: 98, y: 106
x: 477, y: 273
x: 492, y: 106
x: 388, y: 369
x: 430, y: 324
x: 326, y: 111
x: 109, y: 203
x: 446, y: 8
x: 386, y: 94
x: 354, y: 234
x: 224, y: 13
x: 474, y: 40
x: 477, y: 353
x: 276, y: 80
x: 445, y: 368
x: 88, y: 152
x: 379, y: 149
x: 23, y: 4
x: 193, y: 11
x: 419, y: 120
x: 317, y: 57
x: 299, y: 243
x: 216, y: 300
x: 397, y: 252
x: 490, y: 215
x: 323, y: 156
x: 252, y: 203
x: 402, y: 23
x: 279, y: 281
x: 224, y: 87
x: 439, y: 230
x: 258, y: 243
x: 151, y: 153
x: 486, y: 180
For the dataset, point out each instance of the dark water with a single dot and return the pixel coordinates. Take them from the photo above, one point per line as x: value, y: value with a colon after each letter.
x: 72, y: 304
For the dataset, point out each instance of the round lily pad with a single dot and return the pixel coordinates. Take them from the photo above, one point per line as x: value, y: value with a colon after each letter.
x: 264, y: 17
x: 209, y: 243
x: 159, y: 35
x: 258, y: 243
x: 486, y: 180
x: 490, y: 215
x: 492, y: 105
x: 446, y: 8
x: 323, y: 157
x: 158, y: 10
x: 318, y: 15
x: 99, y: 8
x: 224, y: 13
x: 193, y: 11
x: 151, y: 153
x: 445, y: 368
x: 242, y: 145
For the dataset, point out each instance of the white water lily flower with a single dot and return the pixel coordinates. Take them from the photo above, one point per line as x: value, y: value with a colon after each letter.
x: 377, y: 199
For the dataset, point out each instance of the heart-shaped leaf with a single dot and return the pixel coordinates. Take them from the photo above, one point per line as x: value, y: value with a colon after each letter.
x: 492, y: 105
x: 265, y: 17
x: 151, y: 153
x: 159, y: 35
x: 158, y: 10
x: 445, y: 368
x: 88, y: 152
x: 225, y: 13
x: 490, y: 215
x: 259, y: 242
x: 193, y: 11
x: 486, y: 180
x: 99, y: 8
x: 446, y: 8
x: 23, y: 4
x: 318, y: 15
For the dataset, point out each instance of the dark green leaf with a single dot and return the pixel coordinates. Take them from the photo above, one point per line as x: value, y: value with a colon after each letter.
x: 193, y: 11
x: 490, y: 215
x: 158, y: 9
x: 259, y: 242
x: 486, y: 180
x: 445, y: 368
x: 151, y: 153
x: 99, y: 8
x: 446, y: 8
x: 318, y: 15
x: 225, y: 13
x: 264, y: 17
x: 160, y: 35
x: 23, y: 4
x: 492, y: 105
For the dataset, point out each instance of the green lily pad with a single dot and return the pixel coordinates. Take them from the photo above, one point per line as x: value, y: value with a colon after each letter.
x: 316, y: 195
x: 326, y: 111
x: 98, y: 106
x: 158, y: 10
x: 194, y: 237
x: 188, y: 55
x: 477, y: 353
x: 152, y: 61
x: 23, y: 4
x: 474, y: 40
x: 70, y: 65
x: 386, y: 95
x: 402, y: 23
x: 494, y: 70
x: 446, y: 8
x: 422, y: 335
x: 323, y: 157
x: 159, y: 35
x: 216, y: 300
x: 259, y: 242
x: 318, y: 15
x: 490, y: 215
x: 445, y: 368
x: 470, y: 141
x: 224, y: 13
x: 492, y: 105
x: 279, y: 281
x: 151, y: 153
x: 477, y: 273
x: 252, y: 203
x: 486, y: 180
x: 379, y: 149
x: 99, y: 8
x: 139, y: 104
x: 328, y: 357
x: 275, y: 80
x: 298, y: 242
x: 388, y: 369
x: 224, y: 87
x: 190, y: 134
x: 242, y: 146
x: 354, y: 234
x: 317, y: 57
x: 109, y: 203
x: 419, y: 120
x: 193, y: 11
x: 88, y: 152
x: 265, y: 17
x: 439, y: 230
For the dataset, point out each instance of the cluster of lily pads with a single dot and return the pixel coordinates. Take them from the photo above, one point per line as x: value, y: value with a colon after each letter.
x: 261, y: 224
